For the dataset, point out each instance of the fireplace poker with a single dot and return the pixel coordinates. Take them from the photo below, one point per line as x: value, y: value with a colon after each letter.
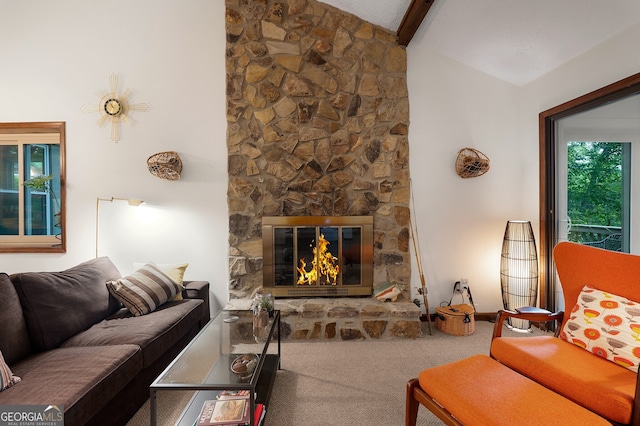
x: 416, y: 248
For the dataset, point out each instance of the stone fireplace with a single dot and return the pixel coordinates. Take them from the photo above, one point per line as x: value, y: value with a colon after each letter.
x: 318, y: 115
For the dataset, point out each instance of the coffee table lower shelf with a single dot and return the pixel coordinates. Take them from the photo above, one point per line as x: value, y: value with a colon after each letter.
x: 264, y: 386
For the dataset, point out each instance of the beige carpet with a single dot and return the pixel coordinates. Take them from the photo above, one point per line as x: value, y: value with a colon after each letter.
x: 347, y: 383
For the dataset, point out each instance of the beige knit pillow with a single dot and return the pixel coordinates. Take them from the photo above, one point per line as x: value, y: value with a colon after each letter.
x: 144, y: 290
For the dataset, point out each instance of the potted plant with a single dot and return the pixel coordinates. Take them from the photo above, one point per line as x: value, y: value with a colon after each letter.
x: 262, y: 311
x: 43, y: 183
x: 265, y: 302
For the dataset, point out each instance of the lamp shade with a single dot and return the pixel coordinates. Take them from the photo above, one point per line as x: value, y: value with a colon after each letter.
x: 519, y: 270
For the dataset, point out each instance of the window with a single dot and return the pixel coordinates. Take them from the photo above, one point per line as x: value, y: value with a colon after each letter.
x: 32, y: 187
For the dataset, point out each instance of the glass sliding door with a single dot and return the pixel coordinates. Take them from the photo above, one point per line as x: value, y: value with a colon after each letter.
x: 594, y: 194
x: 595, y: 166
x: 609, y: 115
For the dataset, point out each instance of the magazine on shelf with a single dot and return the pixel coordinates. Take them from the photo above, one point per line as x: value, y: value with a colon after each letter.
x: 208, y: 409
x: 224, y: 412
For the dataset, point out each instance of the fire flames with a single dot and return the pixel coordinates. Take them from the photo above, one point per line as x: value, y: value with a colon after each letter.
x: 323, y: 266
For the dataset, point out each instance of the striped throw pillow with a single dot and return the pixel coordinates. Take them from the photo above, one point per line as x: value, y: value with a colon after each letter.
x: 174, y: 270
x: 144, y: 290
x: 6, y: 376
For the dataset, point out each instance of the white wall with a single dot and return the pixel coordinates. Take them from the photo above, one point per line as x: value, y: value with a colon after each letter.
x: 57, y: 55
x: 461, y: 222
x: 611, y: 61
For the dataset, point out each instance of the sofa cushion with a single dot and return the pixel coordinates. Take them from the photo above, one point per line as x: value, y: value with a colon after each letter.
x: 14, y: 338
x: 81, y: 379
x: 154, y: 333
x: 57, y: 305
x: 7, y: 379
x: 144, y: 290
x: 605, y: 324
x: 480, y: 391
x: 593, y: 382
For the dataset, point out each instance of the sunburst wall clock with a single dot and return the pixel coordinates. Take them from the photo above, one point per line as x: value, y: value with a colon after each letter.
x: 115, y: 107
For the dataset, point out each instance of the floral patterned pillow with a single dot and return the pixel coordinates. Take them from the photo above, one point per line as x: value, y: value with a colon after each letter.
x: 606, y: 325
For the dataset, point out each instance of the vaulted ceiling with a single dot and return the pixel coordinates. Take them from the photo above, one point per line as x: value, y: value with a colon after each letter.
x: 515, y: 40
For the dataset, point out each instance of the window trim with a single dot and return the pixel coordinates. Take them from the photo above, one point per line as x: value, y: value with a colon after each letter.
x: 37, y: 131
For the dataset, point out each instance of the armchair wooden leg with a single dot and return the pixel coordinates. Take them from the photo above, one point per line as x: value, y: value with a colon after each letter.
x: 416, y: 396
x: 412, y: 404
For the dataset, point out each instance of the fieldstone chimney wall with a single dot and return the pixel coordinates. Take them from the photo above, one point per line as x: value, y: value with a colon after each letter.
x: 317, y: 124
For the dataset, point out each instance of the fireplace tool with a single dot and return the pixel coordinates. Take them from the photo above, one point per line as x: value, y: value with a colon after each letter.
x: 416, y: 248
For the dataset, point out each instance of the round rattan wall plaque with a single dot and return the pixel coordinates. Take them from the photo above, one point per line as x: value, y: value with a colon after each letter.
x: 471, y: 163
x: 165, y: 165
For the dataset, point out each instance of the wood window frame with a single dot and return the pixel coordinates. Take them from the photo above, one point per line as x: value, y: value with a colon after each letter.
x: 35, y: 243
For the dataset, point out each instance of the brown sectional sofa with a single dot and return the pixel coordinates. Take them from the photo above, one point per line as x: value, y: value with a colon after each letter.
x: 73, y: 344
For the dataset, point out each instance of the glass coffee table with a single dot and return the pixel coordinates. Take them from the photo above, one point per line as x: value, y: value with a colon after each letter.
x: 204, y: 365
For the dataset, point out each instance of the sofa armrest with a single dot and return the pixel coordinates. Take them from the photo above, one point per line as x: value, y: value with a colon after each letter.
x: 198, y: 290
x: 527, y: 313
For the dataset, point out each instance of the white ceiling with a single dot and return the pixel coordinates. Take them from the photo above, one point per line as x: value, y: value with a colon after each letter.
x: 386, y: 13
x: 514, y: 40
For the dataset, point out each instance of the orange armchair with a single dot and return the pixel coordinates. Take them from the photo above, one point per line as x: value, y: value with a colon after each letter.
x: 592, y: 382
x: 549, y: 380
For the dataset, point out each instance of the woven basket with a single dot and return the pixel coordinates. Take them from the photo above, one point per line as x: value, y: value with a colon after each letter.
x: 165, y: 165
x: 471, y: 163
x: 457, y: 320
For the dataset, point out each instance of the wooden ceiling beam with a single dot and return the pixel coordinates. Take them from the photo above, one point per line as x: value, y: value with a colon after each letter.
x: 412, y: 19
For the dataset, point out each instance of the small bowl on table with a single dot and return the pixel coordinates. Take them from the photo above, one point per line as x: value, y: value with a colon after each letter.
x: 244, y: 365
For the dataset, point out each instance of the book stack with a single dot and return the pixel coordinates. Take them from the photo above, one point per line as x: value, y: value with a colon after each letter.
x: 259, y: 414
x: 230, y: 408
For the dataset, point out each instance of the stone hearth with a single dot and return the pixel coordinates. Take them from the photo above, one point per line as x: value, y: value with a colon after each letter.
x: 343, y: 318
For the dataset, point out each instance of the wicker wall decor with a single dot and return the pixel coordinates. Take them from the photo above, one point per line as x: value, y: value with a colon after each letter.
x: 471, y: 163
x: 165, y: 165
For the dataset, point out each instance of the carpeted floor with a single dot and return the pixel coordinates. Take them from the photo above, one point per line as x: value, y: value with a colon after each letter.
x: 347, y: 383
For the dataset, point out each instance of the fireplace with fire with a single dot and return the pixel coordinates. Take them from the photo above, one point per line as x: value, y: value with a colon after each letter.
x: 318, y: 255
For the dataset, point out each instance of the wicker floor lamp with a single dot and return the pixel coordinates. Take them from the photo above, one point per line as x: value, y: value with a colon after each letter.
x: 519, y: 270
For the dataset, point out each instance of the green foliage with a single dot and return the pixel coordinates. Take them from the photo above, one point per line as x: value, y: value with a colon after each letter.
x: 39, y: 183
x: 42, y: 183
x: 595, y: 183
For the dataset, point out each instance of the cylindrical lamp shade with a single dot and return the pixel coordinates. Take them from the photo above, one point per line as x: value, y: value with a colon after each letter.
x: 519, y: 270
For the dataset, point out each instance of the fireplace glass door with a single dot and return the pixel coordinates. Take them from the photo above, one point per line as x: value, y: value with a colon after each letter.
x: 331, y: 257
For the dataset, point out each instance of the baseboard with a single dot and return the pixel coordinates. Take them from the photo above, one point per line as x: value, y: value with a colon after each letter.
x: 479, y: 316
x: 486, y: 316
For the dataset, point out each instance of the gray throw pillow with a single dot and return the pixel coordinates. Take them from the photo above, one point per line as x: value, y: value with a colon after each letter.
x: 14, y: 337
